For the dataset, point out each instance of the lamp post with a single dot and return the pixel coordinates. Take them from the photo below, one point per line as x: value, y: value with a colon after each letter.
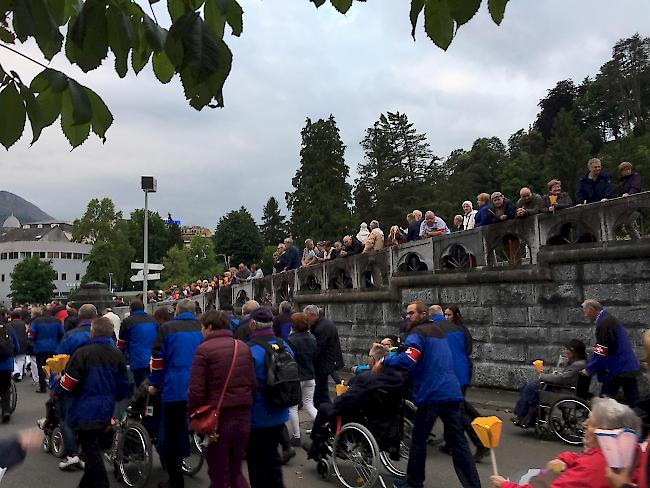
x: 110, y: 282
x: 149, y: 185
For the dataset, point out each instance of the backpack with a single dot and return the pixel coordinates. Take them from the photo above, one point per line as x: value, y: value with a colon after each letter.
x: 282, y: 388
x: 7, y: 348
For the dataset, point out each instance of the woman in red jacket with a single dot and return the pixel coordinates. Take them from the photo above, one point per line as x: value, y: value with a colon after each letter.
x: 587, y: 469
x: 210, y: 367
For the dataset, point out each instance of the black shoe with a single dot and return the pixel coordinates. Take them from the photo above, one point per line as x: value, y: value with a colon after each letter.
x: 481, y: 452
x: 446, y: 449
x: 17, y: 378
x: 516, y: 419
x: 6, y: 418
x: 287, y: 455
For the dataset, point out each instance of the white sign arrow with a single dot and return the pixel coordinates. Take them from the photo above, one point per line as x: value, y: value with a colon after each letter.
x: 150, y: 267
x: 150, y: 277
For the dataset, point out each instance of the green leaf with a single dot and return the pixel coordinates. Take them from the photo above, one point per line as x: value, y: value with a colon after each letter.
x: 463, y: 10
x: 416, y: 9
x: 6, y: 36
x: 23, y: 22
x: 121, y: 37
x: 176, y: 9
x: 163, y: 67
x: 215, y: 18
x: 33, y: 112
x: 81, y: 109
x: 49, y: 102
x: 61, y: 10
x: 76, y: 134
x: 140, y: 55
x: 234, y: 15
x: 102, y: 117
x: 46, y: 31
x: 342, y: 5
x: 88, y: 38
x: 12, y: 116
x: 318, y: 3
x: 497, y: 10
x: 156, y: 35
x: 438, y: 23
x: 6, y: 6
x: 49, y: 79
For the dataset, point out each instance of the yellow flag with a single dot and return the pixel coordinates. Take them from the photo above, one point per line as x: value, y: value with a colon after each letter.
x: 488, y: 430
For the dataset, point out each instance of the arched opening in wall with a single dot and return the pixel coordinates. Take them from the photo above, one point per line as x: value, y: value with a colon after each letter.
x: 571, y: 233
x: 412, y: 262
x: 459, y: 258
x: 263, y: 294
x: 635, y: 224
x: 510, y: 251
x: 310, y: 284
x: 340, y: 280
x: 284, y: 292
x: 242, y: 297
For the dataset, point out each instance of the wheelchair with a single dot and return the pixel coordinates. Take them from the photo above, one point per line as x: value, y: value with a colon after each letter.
x: 358, y: 459
x: 563, y: 409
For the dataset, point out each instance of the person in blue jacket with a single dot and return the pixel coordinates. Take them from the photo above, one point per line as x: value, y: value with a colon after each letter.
x: 171, y: 362
x: 95, y: 376
x: 267, y: 422
x: 138, y: 332
x: 613, y: 361
x: 10, y: 348
x: 436, y: 393
x: 595, y: 185
x: 72, y: 340
x: 483, y: 215
x: 45, y: 332
x: 291, y: 257
x: 282, y: 322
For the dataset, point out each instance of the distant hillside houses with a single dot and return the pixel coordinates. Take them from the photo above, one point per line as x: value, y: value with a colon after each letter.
x: 48, y: 240
x: 189, y: 232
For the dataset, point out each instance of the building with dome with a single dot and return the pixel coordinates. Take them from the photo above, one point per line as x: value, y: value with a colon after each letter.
x: 51, y: 241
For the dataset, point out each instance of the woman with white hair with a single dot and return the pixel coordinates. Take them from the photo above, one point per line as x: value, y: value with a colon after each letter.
x: 468, y: 215
x: 587, y: 468
x: 363, y: 234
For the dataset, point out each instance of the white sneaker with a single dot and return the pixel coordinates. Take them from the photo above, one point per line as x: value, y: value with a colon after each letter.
x: 70, y: 462
x: 41, y: 422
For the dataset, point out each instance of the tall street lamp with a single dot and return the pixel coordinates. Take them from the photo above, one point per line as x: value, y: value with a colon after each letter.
x: 149, y: 185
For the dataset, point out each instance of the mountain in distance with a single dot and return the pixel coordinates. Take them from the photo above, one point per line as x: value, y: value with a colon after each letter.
x: 23, y: 210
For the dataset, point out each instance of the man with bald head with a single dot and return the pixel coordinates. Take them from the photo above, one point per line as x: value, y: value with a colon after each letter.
x: 529, y: 203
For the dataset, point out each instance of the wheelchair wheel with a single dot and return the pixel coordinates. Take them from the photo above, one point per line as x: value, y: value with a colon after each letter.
x: 134, y: 455
x: 355, y: 457
x: 565, y: 419
x: 194, y: 462
x: 14, y: 397
x: 56, y: 443
x: 397, y: 467
x: 46, y: 445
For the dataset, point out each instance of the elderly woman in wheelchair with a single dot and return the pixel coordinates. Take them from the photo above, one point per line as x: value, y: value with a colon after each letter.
x: 527, y: 407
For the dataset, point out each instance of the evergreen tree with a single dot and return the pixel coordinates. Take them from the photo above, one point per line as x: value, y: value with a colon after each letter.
x: 238, y: 237
x: 561, y: 97
x: 567, y: 154
x: 274, y: 224
x: 32, y: 281
x: 175, y: 235
x: 320, y: 203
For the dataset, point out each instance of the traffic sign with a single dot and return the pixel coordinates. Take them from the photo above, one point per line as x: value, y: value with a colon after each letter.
x: 150, y: 277
x: 150, y: 267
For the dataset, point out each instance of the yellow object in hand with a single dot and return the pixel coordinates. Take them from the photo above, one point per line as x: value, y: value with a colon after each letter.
x: 539, y: 365
x: 341, y: 388
x: 57, y: 363
x: 488, y: 430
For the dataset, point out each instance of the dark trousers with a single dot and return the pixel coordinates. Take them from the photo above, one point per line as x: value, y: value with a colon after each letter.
x: 95, y: 473
x: 264, y: 466
x: 139, y: 375
x: 321, y: 391
x: 528, y: 398
x: 69, y: 439
x: 5, y: 391
x: 224, y: 457
x: 630, y: 387
x: 451, y: 415
x: 41, y: 358
x: 176, y: 441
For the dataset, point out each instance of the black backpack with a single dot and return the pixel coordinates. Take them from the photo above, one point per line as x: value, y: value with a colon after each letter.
x: 282, y: 388
x: 7, y: 348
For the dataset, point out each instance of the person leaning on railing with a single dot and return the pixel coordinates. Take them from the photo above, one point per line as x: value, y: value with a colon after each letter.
x: 555, y: 199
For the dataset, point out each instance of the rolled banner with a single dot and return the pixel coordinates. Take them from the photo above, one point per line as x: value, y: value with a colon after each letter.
x: 619, y: 446
x: 488, y: 430
x: 539, y: 365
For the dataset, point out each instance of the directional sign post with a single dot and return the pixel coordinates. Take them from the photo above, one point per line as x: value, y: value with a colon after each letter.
x: 139, y: 276
x: 150, y: 266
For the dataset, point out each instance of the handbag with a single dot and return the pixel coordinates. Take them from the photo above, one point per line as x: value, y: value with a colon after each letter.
x: 205, y: 420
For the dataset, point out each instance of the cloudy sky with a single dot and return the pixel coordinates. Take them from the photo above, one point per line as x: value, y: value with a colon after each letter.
x: 293, y: 62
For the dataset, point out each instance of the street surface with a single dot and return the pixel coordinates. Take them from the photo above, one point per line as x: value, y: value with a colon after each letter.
x: 519, y: 450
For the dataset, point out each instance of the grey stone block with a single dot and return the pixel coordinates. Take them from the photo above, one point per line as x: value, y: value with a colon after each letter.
x: 386, y: 330
x: 632, y: 316
x: 564, y: 272
x: 476, y: 315
x: 561, y: 335
x: 549, y: 354
x: 341, y: 312
x: 360, y: 345
x: 507, y: 294
x: 559, y: 293
x: 642, y: 293
x: 518, y: 334
x: 426, y: 295
x: 575, y: 316
x: 510, y: 315
x: 392, y: 312
x: 460, y: 295
x: 610, y: 293
x: 544, y: 315
x: 617, y: 271
x: 480, y: 334
x: 366, y: 331
x: 501, y: 352
x: 368, y: 312
x: 500, y: 375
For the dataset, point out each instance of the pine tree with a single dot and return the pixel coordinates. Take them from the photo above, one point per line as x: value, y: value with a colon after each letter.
x: 238, y: 237
x: 274, y: 224
x: 175, y: 235
x: 320, y: 203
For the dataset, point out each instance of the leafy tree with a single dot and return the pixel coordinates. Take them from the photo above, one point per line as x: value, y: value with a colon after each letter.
x: 203, y: 261
x: 174, y: 231
x: 568, y: 152
x: 238, y: 237
x: 158, y: 236
x: 177, y: 270
x: 192, y: 47
x: 560, y: 97
x: 398, y: 163
x: 97, y: 222
x: 320, y: 203
x: 524, y: 165
x: 266, y: 263
x: 32, y: 281
x: 274, y: 224
x: 112, y: 255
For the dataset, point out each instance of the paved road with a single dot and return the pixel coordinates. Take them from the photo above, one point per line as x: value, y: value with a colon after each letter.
x: 519, y: 450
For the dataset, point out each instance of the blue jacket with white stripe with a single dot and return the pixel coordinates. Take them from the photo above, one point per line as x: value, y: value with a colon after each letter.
x: 137, y: 336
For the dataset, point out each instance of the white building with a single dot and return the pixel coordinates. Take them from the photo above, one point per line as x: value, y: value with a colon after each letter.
x: 48, y: 240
